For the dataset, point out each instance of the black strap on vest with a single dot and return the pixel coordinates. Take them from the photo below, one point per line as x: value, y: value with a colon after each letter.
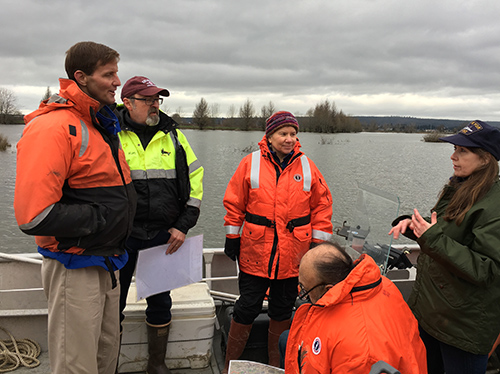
x: 301, y: 221
x: 259, y: 220
x: 263, y: 221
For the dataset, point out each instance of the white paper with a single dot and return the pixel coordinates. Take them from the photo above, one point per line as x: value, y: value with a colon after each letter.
x: 157, y: 272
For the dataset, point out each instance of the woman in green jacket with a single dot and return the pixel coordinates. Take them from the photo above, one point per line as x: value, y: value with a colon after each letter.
x: 456, y: 295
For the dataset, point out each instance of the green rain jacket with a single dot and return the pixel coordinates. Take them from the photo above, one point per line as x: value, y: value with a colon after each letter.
x: 456, y: 295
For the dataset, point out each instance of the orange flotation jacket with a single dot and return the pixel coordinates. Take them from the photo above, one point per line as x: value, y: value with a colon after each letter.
x: 358, y: 322
x: 281, y: 210
x: 73, y: 187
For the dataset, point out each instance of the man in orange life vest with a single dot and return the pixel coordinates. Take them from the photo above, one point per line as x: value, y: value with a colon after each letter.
x: 355, y: 317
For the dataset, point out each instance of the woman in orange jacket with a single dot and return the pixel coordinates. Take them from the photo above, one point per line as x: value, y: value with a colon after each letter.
x: 283, y: 203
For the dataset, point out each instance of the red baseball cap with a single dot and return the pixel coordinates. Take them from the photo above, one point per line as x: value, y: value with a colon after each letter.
x: 142, y: 86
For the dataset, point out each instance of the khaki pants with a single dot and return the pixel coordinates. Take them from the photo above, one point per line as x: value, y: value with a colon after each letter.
x: 83, y: 329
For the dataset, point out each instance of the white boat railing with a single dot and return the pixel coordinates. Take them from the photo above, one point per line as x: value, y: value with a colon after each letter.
x: 208, y: 256
x: 33, y: 258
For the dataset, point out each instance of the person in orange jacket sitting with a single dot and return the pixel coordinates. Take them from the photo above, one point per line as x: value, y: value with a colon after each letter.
x: 283, y: 203
x: 355, y: 318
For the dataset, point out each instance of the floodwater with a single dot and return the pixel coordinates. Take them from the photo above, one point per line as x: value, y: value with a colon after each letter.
x: 401, y: 166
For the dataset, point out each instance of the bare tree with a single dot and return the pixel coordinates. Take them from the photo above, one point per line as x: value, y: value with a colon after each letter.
x: 247, y: 113
x: 266, y: 112
x: 214, y: 113
x: 326, y: 118
x: 231, y: 112
x: 47, y: 94
x: 164, y: 108
x: 230, y: 121
x: 8, y: 106
x: 201, y: 114
x: 177, y: 118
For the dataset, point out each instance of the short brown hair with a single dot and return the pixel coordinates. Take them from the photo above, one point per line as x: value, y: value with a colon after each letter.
x: 87, y: 57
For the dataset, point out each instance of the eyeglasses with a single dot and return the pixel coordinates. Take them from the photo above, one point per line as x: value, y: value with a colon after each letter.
x: 149, y: 100
x: 304, y: 293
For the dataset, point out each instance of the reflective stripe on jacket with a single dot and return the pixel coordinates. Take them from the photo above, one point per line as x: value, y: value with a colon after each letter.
x: 73, y: 186
x: 260, y: 187
x: 156, y: 179
x: 358, y: 322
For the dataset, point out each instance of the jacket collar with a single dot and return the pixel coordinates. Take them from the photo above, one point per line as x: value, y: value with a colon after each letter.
x: 71, y: 97
x: 362, y: 282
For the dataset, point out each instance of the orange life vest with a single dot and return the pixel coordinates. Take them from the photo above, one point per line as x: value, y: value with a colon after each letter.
x: 281, y: 211
x: 358, y: 322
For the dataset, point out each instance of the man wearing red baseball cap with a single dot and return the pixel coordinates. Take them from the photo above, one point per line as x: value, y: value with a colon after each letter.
x: 168, y: 179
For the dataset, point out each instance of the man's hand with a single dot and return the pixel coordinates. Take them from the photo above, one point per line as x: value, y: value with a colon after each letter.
x: 176, y: 240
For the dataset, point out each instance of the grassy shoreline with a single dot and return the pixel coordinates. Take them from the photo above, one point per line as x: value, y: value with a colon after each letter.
x: 4, y: 143
x: 433, y: 137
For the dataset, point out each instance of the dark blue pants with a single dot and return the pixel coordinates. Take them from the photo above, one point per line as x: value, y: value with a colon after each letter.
x: 282, y: 296
x: 159, y: 305
x: 443, y: 358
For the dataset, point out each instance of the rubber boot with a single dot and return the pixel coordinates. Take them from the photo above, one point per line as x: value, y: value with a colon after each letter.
x: 157, y: 348
x: 236, y: 341
x: 276, y: 328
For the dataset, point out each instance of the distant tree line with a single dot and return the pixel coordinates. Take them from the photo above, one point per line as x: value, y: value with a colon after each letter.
x: 323, y: 118
x: 412, y: 124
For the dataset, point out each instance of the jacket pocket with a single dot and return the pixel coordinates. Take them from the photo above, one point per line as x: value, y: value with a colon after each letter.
x: 303, y: 233
x: 253, y: 232
x: 452, y: 289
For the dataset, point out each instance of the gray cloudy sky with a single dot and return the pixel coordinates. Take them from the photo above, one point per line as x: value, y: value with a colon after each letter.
x: 422, y: 58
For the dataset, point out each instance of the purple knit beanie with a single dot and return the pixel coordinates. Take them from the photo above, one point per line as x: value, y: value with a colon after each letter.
x: 280, y: 119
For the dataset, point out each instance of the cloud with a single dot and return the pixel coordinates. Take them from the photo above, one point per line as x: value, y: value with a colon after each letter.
x: 370, y: 57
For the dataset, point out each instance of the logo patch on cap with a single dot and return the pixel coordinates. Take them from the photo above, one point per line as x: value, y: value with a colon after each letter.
x: 148, y: 83
x: 471, y: 128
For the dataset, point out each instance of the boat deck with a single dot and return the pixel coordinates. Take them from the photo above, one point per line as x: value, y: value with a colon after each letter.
x: 216, y: 362
x: 30, y: 278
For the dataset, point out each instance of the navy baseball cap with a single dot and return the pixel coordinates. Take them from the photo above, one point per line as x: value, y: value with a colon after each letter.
x: 477, y: 134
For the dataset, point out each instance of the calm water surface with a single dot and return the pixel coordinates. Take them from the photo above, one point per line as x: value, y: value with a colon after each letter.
x: 400, y: 164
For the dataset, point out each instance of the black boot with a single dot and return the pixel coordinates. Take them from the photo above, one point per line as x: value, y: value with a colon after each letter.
x: 157, y: 348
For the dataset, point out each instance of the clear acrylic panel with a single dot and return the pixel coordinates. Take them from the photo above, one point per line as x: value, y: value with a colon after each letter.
x: 367, y: 232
